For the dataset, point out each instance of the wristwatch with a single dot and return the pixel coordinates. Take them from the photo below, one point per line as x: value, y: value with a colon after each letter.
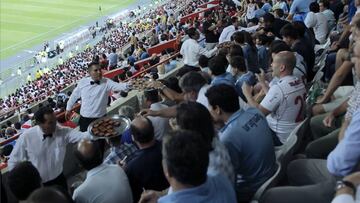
x: 343, y: 183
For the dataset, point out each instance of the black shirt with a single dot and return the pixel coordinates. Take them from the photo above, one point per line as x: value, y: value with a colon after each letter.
x: 210, y: 36
x: 277, y: 25
x: 301, y: 46
x: 145, y: 171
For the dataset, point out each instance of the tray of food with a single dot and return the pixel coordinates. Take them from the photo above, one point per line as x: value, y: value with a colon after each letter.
x: 109, y: 126
x: 140, y: 83
x: 225, y: 45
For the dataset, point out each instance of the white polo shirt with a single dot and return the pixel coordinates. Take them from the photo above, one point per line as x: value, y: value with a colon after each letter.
x: 286, y: 101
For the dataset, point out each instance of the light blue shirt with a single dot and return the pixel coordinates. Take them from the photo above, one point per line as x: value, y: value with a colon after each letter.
x: 300, y: 6
x: 225, y: 78
x: 344, y: 159
x: 266, y: 7
x: 104, y: 183
x: 248, y: 138
x: 216, y: 189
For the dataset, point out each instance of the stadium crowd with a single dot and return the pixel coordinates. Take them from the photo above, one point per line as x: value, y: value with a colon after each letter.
x: 244, y: 101
x: 108, y: 51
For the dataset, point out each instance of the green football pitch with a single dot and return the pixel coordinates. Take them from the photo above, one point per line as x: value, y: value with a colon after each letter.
x: 25, y: 23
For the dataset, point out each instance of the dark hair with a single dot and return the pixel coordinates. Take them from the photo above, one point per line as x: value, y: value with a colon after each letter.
x: 263, y: 38
x: 23, y: 179
x: 279, y: 46
x: 173, y: 83
x: 17, y: 125
x: 195, y: 117
x: 268, y: 17
x: 289, y: 31
x: 128, y: 74
x: 326, y: 3
x: 49, y: 194
x: 113, y: 49
x: 91, y: 64
x: 236, y: 50
x: 144, y: 135
x: 93, y: 158
x: 238, y: 62
x: 218, y: 65
x: 40, y: 114
x: 191, y: 32
x: 192, y: 81
x: 314, y: 7
x: 279, y: 12
x: 186, y: 157
x: 224, y: 96
x: 152, y: 95
x: 234, y: 19
x: 299, y: 27
x: 203, y: 61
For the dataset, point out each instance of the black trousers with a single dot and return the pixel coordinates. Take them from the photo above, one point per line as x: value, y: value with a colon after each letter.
x: 58, y: 181
x: 85, y: 122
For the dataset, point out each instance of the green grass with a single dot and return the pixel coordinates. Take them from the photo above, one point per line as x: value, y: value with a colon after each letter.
x: 25, y: 23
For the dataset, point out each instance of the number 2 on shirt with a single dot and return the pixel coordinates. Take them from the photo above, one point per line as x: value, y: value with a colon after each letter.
x: 300, y: 99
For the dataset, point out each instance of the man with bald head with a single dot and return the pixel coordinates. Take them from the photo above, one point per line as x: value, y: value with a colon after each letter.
x: 145, y: 170
x: 284, y: 104
x: 104, y: 182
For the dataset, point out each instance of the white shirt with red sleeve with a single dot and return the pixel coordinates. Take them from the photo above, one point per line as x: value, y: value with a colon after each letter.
x: 286, y: 102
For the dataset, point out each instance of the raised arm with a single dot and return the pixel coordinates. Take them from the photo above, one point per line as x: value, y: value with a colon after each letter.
x: 114, y: 86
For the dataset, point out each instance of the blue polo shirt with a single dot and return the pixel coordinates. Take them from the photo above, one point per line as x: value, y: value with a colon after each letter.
x: 248, y: 138
x: 216, y: 189
x: 225, y: 78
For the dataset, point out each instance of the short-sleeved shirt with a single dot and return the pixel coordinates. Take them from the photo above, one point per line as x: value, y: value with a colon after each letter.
x: 248, y: 139
x: 216, y: 189
x: 104, y: 183
x: 286, y: 102
x: 249, y: 78
x: 225, y: 78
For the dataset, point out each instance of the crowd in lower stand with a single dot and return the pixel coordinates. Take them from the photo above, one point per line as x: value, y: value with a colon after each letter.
x: 265, y: 109
x: 108, y: 51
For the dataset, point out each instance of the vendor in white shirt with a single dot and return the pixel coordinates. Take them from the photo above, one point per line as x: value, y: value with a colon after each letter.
x: 191, y: 50
x: 94, y: 92
x: 44, y: 145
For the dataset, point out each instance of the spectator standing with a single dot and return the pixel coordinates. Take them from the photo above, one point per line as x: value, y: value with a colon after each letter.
x: 44, y: 146
x: 113, y: 59
x: 93, y: 92
x: 191, y: 50
x: 318, y: 22
x: 209, y: 29
x: 324, y: 8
